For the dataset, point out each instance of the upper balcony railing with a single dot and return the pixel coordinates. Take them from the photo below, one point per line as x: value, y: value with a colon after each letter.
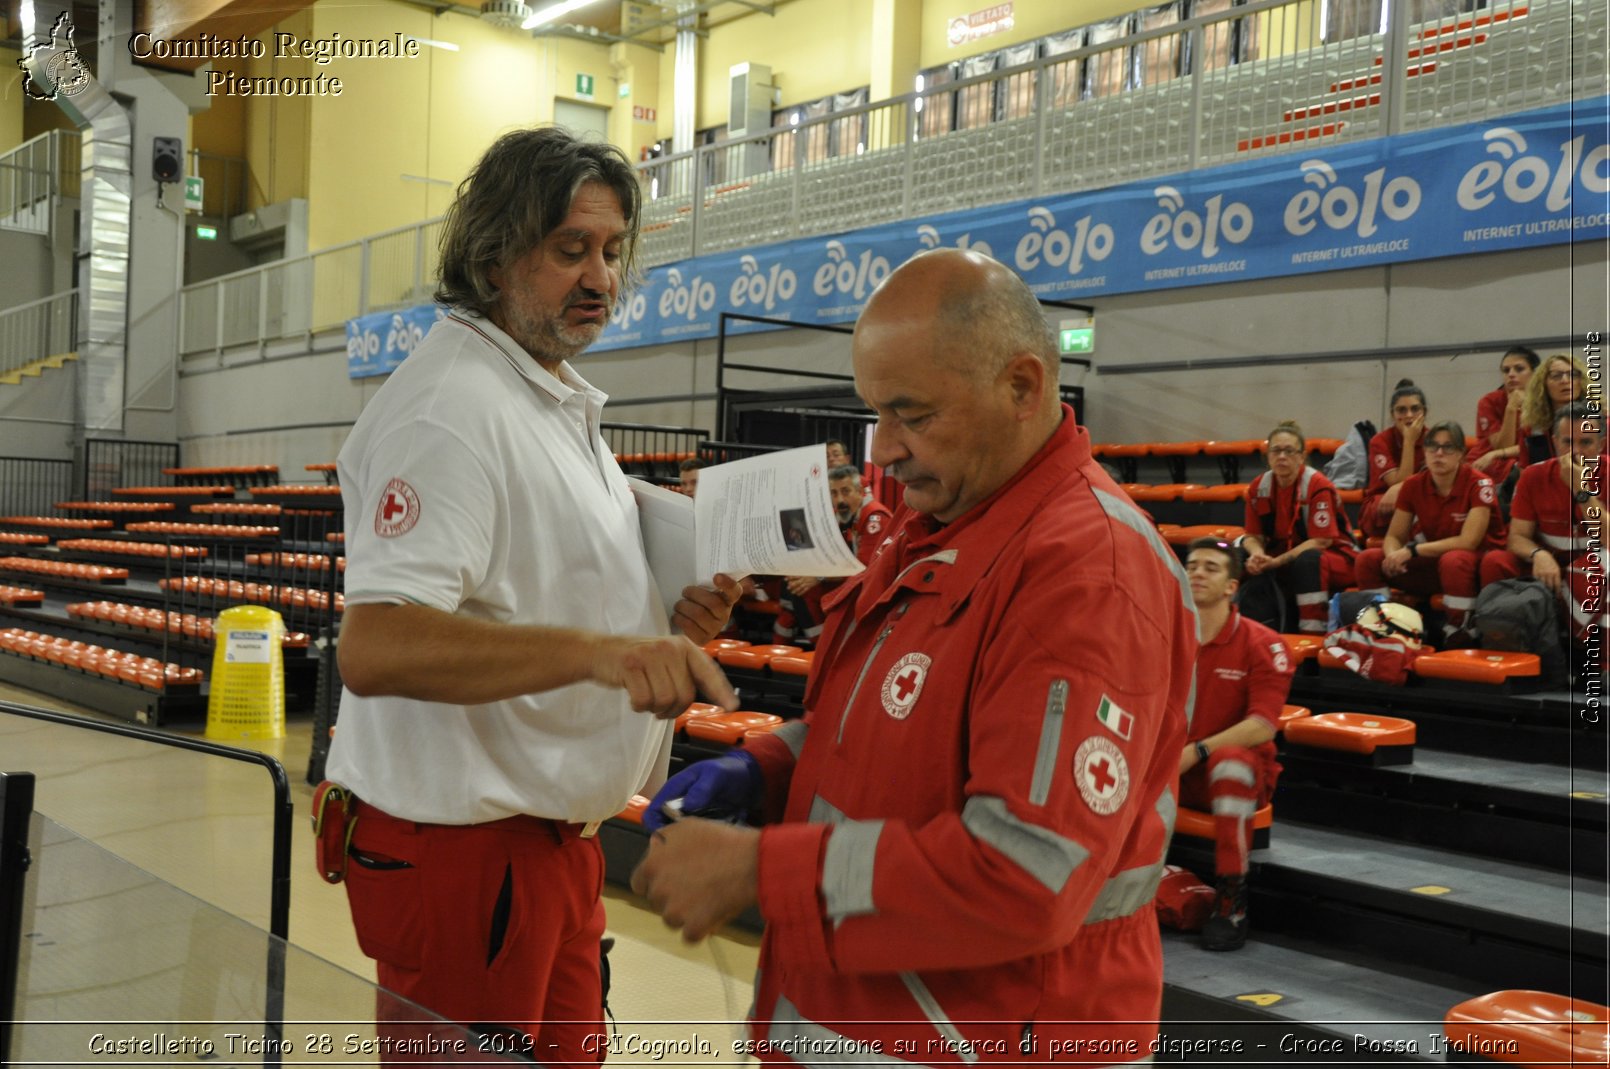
x: 30, y: 332
x: 1268, y: 77
x: 1233, y: 83
x: 34, y: 177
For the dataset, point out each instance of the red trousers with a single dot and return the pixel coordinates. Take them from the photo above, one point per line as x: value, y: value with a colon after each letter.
x: 491, y: 924
x: 1233, y: 785
x: 1453, y: 575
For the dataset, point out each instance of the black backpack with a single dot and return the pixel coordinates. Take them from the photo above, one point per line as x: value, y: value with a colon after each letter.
x: 1520, y: 615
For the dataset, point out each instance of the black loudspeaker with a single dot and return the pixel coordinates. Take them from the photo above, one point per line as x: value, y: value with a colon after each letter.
x: 167, y: 164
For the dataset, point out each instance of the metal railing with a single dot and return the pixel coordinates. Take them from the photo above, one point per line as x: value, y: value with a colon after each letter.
x: 38, y: 329
x: 296, y: 298
x: 34, y: 177
x: 31, y: 486
x: 1240, y: 83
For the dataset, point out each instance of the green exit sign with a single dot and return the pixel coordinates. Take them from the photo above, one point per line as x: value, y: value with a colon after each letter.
x: 207, y: 233
x: 1077, y: 340
x: 584, y: 85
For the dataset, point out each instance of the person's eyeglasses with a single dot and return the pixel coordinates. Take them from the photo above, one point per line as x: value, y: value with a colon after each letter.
x: 1561, y: 376
x: 1444, y: 447
x: 1284, y: 451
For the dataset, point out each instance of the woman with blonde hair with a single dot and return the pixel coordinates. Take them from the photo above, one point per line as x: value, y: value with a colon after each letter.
x: 1297, y: 544
x: 1561, y: 380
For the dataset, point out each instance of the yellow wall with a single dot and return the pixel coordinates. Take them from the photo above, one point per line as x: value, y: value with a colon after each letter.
x: 637, y: 69
x: 814, y: 48
x: 10, y: 99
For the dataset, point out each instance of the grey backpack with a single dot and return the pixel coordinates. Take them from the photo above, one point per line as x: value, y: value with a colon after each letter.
x: 1349, y: 469
x: 1520, y: 615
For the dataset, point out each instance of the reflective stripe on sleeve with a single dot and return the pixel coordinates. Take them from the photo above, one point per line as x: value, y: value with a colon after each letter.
x: 1045, y: 762
x: 825, y: 812
x: 1225, y: 806
x: 1040, y: 852
x: 847, y: 868
x: 1239, y: 771
x: 792, y: 735
x: 1130, y: 517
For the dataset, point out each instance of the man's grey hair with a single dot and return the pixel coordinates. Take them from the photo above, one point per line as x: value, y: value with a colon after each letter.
x: 517, y: 194
x: 988, y: 325
x: 1578, y: 413
x: 845, y: 471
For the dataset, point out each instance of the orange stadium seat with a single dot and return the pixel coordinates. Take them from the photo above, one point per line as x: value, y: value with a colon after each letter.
x: 1304, y: 648
x: 633, y: 813
x: 1229, y: 454
x: 1174, y: 455
x: 695, y: 711
x: 1324, y: 446
x: 754, y: 658
x: 1289, y: 713
x: 57, y: 521
x: 1184, y: 536
x: 1163, y: 492
x: 16, y: 538
x: 794, y: 664
x: 729, y: 728
x: 1127, y: 456
x: 1351, y: 497
x: 1490, y: 667
x: 1382, y: 740
x: 1226, y: 492
x: 716, y: 645
x: 1532, y: 1028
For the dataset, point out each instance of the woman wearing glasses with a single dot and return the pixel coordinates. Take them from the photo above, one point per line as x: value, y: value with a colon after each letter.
x: 1395, y: 454
x: 1297, y: 545
x: 1561, y: 380
x: 1445, y: 521
x: 1500, y: 428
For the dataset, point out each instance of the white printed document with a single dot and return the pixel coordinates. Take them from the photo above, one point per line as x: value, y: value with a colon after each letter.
x: 764, y: 515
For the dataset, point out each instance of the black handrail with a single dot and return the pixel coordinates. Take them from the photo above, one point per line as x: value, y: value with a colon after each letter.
x: 16, y: 809
x: 279, y: 909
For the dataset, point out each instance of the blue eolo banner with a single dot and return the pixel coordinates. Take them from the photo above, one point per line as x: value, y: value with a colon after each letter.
x: 1536, y: 178
x: 377, y: 343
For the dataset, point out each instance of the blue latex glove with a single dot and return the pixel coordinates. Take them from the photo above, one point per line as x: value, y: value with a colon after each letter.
x: 723, y: 788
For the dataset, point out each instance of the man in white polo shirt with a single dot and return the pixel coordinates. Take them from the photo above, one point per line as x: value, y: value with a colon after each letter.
x: 503, y: 638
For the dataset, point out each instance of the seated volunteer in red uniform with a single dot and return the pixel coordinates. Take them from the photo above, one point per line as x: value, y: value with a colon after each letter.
x: 974, y: 810
x: 1560, y: 380
x: 1394, y: 455
x: 507, y: 660
x: 1297, y: 541
x: 1500, y: 426
x: 1455, y: 511
x: 1556, y: 526
x: 1228, y: 768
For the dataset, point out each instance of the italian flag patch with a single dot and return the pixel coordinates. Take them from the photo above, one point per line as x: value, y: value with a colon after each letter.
x: 1114, y: 719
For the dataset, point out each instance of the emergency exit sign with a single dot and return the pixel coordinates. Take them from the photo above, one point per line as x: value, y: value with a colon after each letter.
x: 1076, y: 340
x: 584, y: 86
x: 192, y: 194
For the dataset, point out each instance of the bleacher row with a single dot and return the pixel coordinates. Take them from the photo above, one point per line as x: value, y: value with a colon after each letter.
x: 172, y: 557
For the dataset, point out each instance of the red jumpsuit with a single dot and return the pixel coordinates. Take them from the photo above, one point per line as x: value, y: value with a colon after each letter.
x: 976, y: 822
x: 1542, y: 497
x: 1455, y: 575
x: 1386, y: 452
x: 1245, y: 672
x: 1283, y: 517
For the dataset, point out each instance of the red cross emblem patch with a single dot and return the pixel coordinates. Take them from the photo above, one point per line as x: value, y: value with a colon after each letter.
x: 1102, y: 774
x: 904, y: 683
x: 398, y: 510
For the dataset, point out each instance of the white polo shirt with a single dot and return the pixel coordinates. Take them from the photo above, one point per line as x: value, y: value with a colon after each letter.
x: 477, y: 483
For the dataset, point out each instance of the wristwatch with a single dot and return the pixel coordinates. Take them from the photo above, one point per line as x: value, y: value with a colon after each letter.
x: 1201, y: 751
x: 1414, y: 549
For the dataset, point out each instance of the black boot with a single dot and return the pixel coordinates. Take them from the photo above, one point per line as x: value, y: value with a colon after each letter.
x: 1226, y: 929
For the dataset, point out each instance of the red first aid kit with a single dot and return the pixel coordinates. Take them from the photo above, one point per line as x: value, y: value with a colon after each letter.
x: 334, y: 818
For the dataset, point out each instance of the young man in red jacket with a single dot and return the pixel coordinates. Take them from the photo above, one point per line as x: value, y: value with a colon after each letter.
x: 1243, y: 674
x: 967, y: 828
